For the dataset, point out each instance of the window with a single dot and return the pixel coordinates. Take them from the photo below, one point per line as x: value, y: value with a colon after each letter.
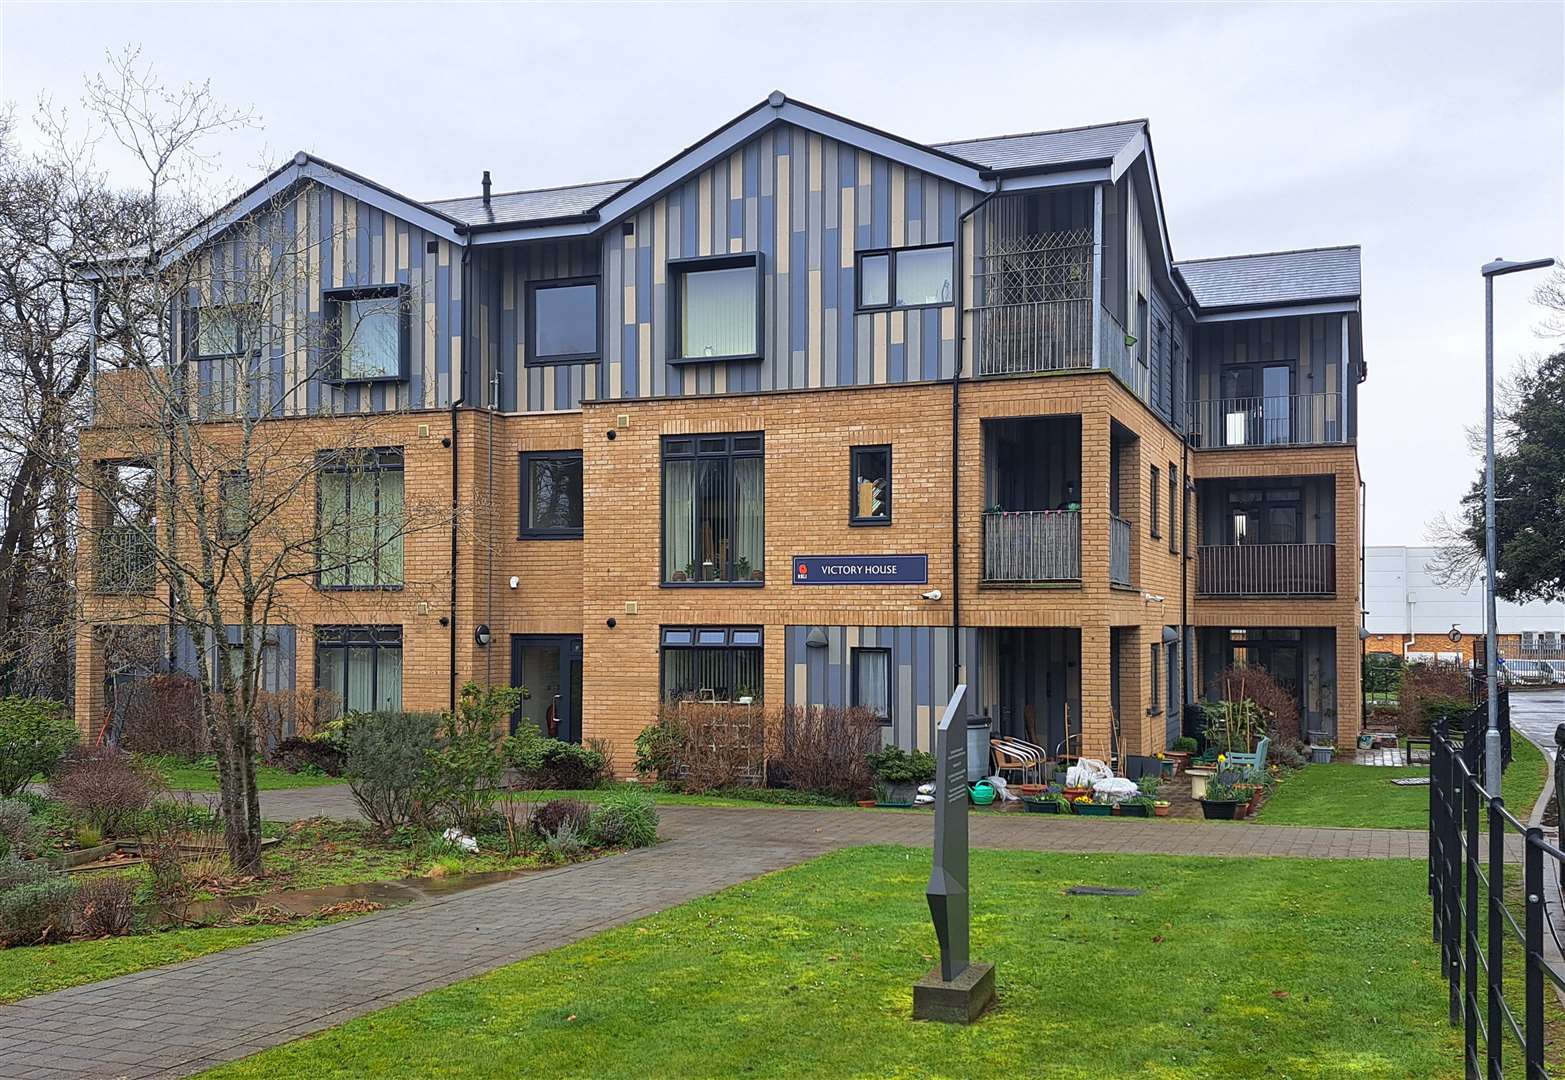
x: 1152, y: 523
x: 714, y: 512
x: 233, y: 504
x: 1173, y: 509
x: 127, y: 541
x: 711, y: 663
x: 360, y: 666
x: 870, y: 498
x: 906, y: 277
x: 562, y: 321
x: 872, y: 681
x: 716, y: 308
x: 220, y: 330
x: 368, y: 333
x: 1154, y: 680
x: 551, y: 494
x: 360, y: 519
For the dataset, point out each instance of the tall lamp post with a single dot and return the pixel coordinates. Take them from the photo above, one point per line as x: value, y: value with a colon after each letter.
x: 1492, y: 763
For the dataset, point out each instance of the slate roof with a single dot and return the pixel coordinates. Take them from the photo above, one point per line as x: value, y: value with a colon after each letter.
x: 1043, y: 149
x: 1308, y: 276
x: 516, y: 207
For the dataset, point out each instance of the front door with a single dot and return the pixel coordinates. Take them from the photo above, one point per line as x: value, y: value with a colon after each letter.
x: 547, y: 668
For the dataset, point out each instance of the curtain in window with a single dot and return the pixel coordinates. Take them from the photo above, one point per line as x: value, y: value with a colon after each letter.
x: 873, y: 691
x: 217, y: 331
x: 328, y: 676
x: 719, y: 313
x: 371, y: 338
x: 679, y: 511
x: 749, y: 519
x: 390, y: 527
x: 361, y: 528
x: 924, y: 276
x: 361, y: 679
x: 388, y: 696
x: 333, y: 527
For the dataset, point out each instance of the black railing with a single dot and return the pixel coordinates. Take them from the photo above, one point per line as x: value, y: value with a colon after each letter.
x: 1474, y: 920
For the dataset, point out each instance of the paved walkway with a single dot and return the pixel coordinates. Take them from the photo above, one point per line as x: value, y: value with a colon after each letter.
x: 178, y: 1020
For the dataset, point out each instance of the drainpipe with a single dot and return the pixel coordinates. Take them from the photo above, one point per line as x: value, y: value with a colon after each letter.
x: 458, y: 397
x: 957, y: 659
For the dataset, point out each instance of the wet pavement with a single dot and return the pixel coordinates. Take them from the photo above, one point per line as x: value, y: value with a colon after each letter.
x: 1536, y: 713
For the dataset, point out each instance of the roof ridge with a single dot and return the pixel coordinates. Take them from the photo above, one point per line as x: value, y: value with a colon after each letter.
x: 1046, y: 131
x: 530, y: 191
x: 1261, y: 254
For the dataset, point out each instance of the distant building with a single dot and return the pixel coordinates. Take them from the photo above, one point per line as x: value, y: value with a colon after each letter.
x: 1409, y: 613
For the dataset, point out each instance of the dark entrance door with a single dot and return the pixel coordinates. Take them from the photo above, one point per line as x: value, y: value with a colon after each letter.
x: 548, y: 668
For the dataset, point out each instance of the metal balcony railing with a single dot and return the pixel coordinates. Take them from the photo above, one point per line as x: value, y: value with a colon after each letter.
x: 126, y: 560
x: 1266, y: 570
x: 1032, y: 545
x: 1119, y: 550
x: 1120, y: 357
x: 1284, y: 420
x: 1033, y: 302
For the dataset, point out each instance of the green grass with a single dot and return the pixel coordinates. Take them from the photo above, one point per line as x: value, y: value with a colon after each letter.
x: 41, y: 969
x: 201, y: 775
x: 1223, y: 968
x: 1341, y: 795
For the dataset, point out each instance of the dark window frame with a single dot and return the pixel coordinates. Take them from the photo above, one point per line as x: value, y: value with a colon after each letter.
x: 696, y: 454
x: 853, y: 678
x: 1152, y: 504
x: 854, y: 518
x: 891, y: 277
x: 375, y: 637
x: 1173, y: 509
x: 333, y: 304
x: 530, y: 290
x: 675, y: 273
x: 225, y: 480
x: 727, y: 645
x: 193, y: 332
x: 527, y: 532
x: 349, y: 462
x: 1155, y: 676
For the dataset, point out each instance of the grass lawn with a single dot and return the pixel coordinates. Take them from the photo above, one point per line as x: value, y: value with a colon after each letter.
x: 1224, y: 968
x: 41, y: 969
x: 201, y: 775
x: 1340, y: 795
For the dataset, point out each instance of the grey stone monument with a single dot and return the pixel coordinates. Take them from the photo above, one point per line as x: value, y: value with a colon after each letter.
x: 956, y: 991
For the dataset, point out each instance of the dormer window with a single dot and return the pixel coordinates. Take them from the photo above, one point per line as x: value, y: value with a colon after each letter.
x: 717, y: 308
x: 367, y: 333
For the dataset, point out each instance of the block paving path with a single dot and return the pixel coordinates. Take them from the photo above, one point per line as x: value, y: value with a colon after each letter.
x: 178, y: 1020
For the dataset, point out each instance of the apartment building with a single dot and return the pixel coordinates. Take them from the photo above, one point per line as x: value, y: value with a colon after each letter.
x: 809, y: 413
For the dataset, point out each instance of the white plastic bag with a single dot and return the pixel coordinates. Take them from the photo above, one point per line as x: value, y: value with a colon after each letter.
x: 1116, y: 789
x: 1086, y: 772
x: 1002, y: 790
x: 468, y: 845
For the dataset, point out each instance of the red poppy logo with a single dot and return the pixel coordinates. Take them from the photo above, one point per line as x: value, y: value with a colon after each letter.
x: 804, y: 570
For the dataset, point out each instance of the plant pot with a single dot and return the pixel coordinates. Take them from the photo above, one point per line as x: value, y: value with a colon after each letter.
x: 901, y: 793
x: 1041, y: 806
x: 1321, y: 755
x: 894, y: 805
x: 1093, y: 809
x: 867, y: 803
x: 1134, y: 810
x: 1074, y: 793
x: 1214, y: 810
x: 1160, y: 809
x: 1166, y: 768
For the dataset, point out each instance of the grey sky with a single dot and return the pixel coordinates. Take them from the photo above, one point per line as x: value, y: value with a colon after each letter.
x: 1433, y: 135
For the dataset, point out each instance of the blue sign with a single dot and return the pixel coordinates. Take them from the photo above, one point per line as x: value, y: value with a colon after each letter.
x: 861, y: 569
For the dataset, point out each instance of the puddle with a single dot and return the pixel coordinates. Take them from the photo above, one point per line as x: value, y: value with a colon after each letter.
x: 386, y: 893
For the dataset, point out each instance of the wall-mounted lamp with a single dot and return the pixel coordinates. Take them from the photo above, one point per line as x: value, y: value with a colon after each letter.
x: 816, y: 638
x: 481, y: 633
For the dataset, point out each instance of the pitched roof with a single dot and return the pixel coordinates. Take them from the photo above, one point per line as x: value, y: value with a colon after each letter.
x: 1311, y: 275
x: 541, y: 204
x: 1046, y: 149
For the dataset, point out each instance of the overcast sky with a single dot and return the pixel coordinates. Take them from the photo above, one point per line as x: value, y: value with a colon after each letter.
x: 1433, y: 135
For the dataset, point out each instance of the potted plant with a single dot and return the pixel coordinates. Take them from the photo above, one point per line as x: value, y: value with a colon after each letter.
x: 1136, y: 806
x: 1085, y: 804
x: 1320, y: 753
x: 1222, y: 799
x: 1050, y: 801
x: 898, y: 774
x: 1180, y: 753
x: 1159, y: 807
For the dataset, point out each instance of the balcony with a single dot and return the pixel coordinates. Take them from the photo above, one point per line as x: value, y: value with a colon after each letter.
x: 1286, y: 420
x: 1234, y: 570
x: 126, y: 560
x: 1032, y: 546
x: 1120, y: 533
x: 1034, y: 302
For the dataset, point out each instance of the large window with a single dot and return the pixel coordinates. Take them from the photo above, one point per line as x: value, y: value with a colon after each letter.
x: 127, y: 527
x: 360, y: 666
x: 1152, y: 514
x: 368, y: 333
x: 716, y: 308
x: 1173, y: 509
x: 711, y: 663
x: 551, y: 494
x: 1154, y: 679
x: 714, y: 509
x: 360, y: 519
x: 870, y: 496
x: 220, y: 330
x: 872, y: 681
x: 906, y: 277
x: 562, y: 321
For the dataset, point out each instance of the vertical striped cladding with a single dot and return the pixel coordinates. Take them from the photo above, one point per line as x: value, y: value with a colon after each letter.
x: 278, y: 662
x: 807, y: 204
x: 1312, y: 343
x: 921, y: 674
x: 309, y: 240
x: 501, y: 278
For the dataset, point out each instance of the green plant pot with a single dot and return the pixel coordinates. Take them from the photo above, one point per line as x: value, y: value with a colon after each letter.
x: 1093, y: 809
x: 1213, y: 810
x: 1134, y: 810
x: 1041, y: 806
x: 894, y: 805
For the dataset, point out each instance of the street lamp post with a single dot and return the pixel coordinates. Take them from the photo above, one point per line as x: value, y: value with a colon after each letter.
x: 1492, y: 763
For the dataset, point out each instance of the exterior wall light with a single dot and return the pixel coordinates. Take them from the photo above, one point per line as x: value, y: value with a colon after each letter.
x: 481, y: 633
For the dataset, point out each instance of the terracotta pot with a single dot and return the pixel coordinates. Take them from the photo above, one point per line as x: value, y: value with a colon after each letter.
x: 1160, y: 809
x: 867, y: 803
x: 1074, y: 793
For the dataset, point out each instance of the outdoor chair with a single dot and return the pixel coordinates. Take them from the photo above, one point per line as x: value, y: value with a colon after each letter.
x: 1257, y: 760
x: 1015, y: 756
